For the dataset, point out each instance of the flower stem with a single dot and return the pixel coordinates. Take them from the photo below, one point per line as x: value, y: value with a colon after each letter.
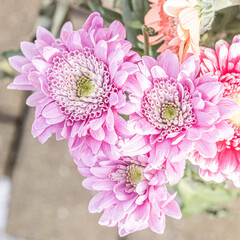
x: 145, y: 31
x: 221, y: 4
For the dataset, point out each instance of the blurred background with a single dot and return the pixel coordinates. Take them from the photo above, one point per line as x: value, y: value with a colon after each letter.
x: 41, y: 195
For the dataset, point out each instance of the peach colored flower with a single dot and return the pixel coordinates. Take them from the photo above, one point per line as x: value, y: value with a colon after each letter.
x: 164, y: 25
x: 188, y: 28
x: 177, y: 23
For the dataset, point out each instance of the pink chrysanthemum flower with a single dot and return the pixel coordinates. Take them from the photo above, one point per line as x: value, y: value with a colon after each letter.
x: 178, y: 111
x: 132, y: 194
x: 224, y: 63
x: 78, y: 81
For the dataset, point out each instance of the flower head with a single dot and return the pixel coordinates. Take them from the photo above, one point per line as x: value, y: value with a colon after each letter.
x: 178, y: 23
x: 78, y: 81
x: 167, y: 106
x: 223, y: 62
x: 164, y: 25
x: 131, y: 193
x: 178, y: 111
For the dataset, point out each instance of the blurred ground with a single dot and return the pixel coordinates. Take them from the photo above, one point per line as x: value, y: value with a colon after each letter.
x: 48, y: 201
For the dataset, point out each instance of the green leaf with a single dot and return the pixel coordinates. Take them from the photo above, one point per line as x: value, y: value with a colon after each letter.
x: 200, y: 196
x: 6, y: 71
x: 85, y: 2
x: 153, y: 50
x: 133, y: 18
x: 134, y: 12
x: 126, y: 117
x: 59, y: 17
x: 135, y: 24
x: 139, y: 51
x: 10, y: 53
x: 226, y: 26
x: 140, y: 8
x: 107, y: 14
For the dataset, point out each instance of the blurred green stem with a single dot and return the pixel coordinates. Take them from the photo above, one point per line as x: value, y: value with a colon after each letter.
x: 59, y: 17
x: 221, y: 4
x: 145, y: 31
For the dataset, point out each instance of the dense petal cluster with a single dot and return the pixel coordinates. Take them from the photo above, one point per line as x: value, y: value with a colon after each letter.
x: 167, y: 106
x: 177, y: 23
x: 78, y: 80
x: 178, y: 111
x: 131, y: 193
x: 224, y: 63
x: 80, y: 84
x: 87, y: 82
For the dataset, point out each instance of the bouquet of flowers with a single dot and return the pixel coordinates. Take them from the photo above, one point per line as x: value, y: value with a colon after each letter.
x: 135, y: 106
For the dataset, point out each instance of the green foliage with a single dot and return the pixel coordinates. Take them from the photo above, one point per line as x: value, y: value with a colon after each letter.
x: 133, y: 12
x: 126, y: 117
x: 85, y: 2
x: 52, y: 15
x: 6, y: 71
x: 107, y: 14
x: 7, y: 54
x: 200, y: 196
x: 59, y: 17
x: 139, y: 51
x: 225, y: 26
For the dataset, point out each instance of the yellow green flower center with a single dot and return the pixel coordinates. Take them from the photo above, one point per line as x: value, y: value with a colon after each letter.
x: 134, y: 174
x: 85, y: 86
x: 169, y: 111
